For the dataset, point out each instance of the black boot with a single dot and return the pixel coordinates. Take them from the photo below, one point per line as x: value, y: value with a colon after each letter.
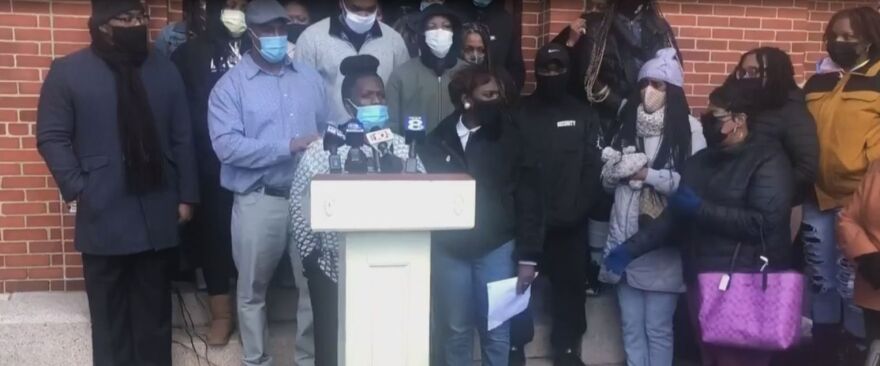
x: 517, y: 357
x: 826, y: 346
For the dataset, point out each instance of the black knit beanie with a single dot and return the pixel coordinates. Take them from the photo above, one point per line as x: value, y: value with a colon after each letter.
x: 104, y: 10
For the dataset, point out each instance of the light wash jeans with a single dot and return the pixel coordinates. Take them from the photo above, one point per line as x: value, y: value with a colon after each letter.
x: 646, y: 317
x: 831, y: 276
x: 463, y: 302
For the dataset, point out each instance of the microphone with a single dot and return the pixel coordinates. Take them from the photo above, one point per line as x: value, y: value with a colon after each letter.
x: 333, y: 139
x: 384, y: 159
x: 356, y: 161
x: 414, y: 132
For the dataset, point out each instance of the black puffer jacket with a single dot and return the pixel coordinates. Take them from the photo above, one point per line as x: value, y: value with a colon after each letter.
x: 793, y: 126
x: 509, y: 204
x: 743, y: 190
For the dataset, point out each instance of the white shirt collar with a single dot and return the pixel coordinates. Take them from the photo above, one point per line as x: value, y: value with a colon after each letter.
x: 464, y: 133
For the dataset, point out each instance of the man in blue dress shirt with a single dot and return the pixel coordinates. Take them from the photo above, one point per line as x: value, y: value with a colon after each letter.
x: 261, y: 115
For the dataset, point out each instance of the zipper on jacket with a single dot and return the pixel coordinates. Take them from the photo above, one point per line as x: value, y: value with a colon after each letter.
x: 439, y: 99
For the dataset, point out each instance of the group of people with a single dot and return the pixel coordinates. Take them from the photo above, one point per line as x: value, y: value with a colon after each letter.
x: 215, y: 135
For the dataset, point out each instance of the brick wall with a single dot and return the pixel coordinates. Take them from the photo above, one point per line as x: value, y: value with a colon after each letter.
x: 36, y: 252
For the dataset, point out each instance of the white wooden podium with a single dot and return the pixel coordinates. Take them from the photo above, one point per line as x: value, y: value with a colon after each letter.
x: 385, y: 261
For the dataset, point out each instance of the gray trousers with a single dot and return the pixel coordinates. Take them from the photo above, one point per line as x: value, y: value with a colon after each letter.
x: 259, y: 237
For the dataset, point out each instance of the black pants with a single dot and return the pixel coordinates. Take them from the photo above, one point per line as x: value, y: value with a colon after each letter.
x: 565, y: 264
x: 130, y: 306
x: 325, y: 309
x: 209, y: 240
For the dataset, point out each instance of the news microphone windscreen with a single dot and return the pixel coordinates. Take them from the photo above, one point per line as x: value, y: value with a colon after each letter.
x: 354, y: 134
x: 333, y: 138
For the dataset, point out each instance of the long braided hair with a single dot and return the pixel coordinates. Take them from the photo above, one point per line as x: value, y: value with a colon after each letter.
x: 597, y: 53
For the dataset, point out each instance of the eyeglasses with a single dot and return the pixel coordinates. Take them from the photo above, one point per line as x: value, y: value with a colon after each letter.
x: 140, y: 18
x: 747, y: 73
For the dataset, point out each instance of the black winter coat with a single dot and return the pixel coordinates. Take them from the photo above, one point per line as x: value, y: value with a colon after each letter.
x: 508, y: 195
x: 78, y: 136
x: 564, y: 134
x: 743, y: 191
x: 793, y: 126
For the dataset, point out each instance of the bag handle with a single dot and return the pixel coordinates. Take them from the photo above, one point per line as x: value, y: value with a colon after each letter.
x: 762, y: 257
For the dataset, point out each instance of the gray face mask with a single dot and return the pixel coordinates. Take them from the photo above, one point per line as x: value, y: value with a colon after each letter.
x: 474, y: 58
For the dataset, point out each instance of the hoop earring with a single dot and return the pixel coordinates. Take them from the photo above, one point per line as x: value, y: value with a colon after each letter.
x: 467, y: 106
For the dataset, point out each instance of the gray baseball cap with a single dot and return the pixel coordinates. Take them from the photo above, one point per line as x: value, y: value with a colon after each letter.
x: 265, y: 11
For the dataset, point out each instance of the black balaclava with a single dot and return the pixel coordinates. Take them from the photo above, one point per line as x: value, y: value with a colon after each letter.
x: 138, y: 137
x: 554, y: 87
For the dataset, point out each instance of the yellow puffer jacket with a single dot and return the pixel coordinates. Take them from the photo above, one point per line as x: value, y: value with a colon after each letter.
x: 847, y: 112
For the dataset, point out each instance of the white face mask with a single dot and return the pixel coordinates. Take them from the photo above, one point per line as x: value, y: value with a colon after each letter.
x: 653, y: 99
x: 358, y: 23
x: 234, y: 21
x: 439, y: 41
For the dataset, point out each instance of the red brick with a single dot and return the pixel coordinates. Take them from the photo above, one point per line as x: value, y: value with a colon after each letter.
x: 45, y: 273
x: 44, y: 247
x: 22, y: 182
x: 24, y: 234
x: 12, y: 222
x: 27, y: 260
x: 13, y: 274
x: 44, y: 221
x: 35, y: 169
x: 22, y: 6
x: 13, y: 248
x: 32, y: 34
x: 23, y: 208
x: 26, y: 286
x: 18, y: 20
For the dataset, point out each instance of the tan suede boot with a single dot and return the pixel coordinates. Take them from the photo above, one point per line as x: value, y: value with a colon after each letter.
x: 222, y: 324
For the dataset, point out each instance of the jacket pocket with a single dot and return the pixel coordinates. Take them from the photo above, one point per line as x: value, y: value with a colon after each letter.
x: 94, y: 162
x: 91, y: 198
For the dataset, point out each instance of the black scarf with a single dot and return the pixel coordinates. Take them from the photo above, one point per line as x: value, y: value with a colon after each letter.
x: 144, y: 160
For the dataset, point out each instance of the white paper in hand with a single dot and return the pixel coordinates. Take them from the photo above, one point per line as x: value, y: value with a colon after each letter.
x: 504, y: 303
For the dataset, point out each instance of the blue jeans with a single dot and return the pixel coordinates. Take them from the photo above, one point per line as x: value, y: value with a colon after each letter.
x: 830, y: 274
x: 461, y: 295
x: 647, y: 325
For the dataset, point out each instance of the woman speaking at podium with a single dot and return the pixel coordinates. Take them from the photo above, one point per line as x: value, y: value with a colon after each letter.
x: 363, y: 92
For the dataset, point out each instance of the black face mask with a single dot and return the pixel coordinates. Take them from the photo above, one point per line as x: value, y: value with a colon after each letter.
x: 551, y: 87
x: 844, y: 54
x: 294, y: 30
x: 489, y: 113
x: 712, y: 130
x: 131, y: 41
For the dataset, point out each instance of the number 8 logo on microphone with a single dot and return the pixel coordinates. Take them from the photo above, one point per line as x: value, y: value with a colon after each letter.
x: 415, y: 124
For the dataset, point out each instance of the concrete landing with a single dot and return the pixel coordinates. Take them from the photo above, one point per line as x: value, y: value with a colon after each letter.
x: 38, y: 329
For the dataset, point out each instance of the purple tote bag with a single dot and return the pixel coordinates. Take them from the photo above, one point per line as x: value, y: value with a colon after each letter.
x: 751, y: 310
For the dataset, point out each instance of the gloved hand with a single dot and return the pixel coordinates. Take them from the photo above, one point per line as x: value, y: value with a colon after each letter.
x: 618, y: 259
x: 685, y: 202
x: 868, y: 266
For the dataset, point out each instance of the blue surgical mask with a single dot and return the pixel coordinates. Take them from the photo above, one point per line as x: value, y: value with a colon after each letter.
x: 482, y: 3
x: 372, y: 116
x: 273, y: 48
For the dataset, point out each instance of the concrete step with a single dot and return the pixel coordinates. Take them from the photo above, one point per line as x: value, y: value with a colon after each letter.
x: 39, y: 329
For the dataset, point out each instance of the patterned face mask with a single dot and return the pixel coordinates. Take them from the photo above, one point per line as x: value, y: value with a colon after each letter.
x: 653, y: 99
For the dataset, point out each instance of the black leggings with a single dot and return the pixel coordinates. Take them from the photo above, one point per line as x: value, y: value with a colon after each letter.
x: 325, y: 308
